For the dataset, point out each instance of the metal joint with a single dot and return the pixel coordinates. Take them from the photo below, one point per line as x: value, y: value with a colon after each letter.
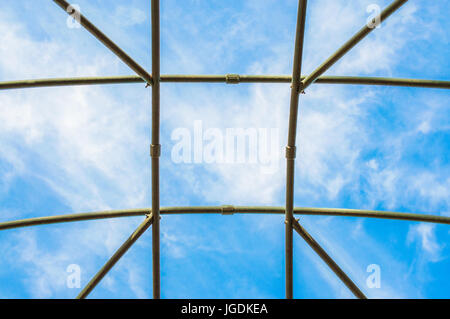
x: 228, y: 210
x: 147, y: 84
x: 155, y: 150
x: 298, y: 89
x: 293, y: 220
x: 150, y: 215
x: 232, y: 78
x: 291, y: 152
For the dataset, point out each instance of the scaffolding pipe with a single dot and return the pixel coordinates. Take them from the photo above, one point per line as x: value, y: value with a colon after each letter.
x: 349, y: 45
x: 354, y: 80
x: 115, y: 258
x: 155, y: 147
x: 225, y: 210
x: 106, y: 41
x: 328, y: 260
x: 291, y: 148
x: 72, y: 218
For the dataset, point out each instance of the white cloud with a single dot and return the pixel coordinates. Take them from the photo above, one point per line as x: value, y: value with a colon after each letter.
x: 425, y: 235
x: 129, y: 16
x: 87, y: 145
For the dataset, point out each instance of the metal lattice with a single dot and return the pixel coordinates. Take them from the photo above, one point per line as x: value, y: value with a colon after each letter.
x: 298, y: 85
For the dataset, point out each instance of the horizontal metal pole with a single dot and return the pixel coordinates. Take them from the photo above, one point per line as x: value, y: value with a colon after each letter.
x: 361, y: 34
x: 355, y: 80
x: 115, y: 258
x: 73, y: 218
x: 342, y: 212
x: 106, y: 41
x: 225, y: 210
x: 69, y: 81
x: 328, y: 260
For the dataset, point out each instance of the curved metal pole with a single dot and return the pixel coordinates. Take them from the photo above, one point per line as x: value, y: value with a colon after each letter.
x: 37, y: 83
x: 354, y: 80
x: 291, y: 148
x: 72, y: 218
x: 115, y: 258
x: 328, y: 260
x: 349, y: 45
x: 373, y: 214
x: 225, y: 210
x: 106, y: 41
x: 358, y: 80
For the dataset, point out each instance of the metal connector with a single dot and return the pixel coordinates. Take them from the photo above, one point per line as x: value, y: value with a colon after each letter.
x: 291, y: 152
x: 232, y: 78
x: 155, y: 150
x: 294, y: 219
x: 228, y: 210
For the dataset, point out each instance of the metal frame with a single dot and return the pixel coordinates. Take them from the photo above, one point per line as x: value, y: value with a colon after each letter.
x: 298, y: 85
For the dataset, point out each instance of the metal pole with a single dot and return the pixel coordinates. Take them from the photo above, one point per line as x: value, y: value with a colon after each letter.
x: 358, y: 80
x: 72, y: 218
x: 115, y: 258
x: 225, y: 210
x: 328, y: 260
x: 106, y: 41
x: 36, y: 83
x: 355, y: 80
x: 349, y: 45
x: 155, y: 148
x: 290, y: 149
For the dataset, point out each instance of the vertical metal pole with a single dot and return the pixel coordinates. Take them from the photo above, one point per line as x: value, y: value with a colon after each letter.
x: 290, y: 149
x: 155, y: 148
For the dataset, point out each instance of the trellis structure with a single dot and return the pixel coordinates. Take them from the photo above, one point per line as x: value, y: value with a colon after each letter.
x: 298, y: 85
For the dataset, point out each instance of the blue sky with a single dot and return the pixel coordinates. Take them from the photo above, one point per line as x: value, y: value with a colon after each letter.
x: 81, y: 149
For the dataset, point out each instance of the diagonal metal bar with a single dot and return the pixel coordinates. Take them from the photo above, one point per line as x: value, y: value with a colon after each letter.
x: 115, y: 258
x: 328, y: 260
x: 155, y: 148
x: 290, y: 149
x: 355, y: 80
x: 349, y: 45
x: 106, y: 41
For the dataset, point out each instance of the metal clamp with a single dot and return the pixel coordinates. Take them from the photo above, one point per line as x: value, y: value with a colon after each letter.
x: 155, y: 150
x: 294, y: 219
x: 150, y: 215
x: 228, y: 210
x: 232, y: 78
x: 300, y: 87
x: 291, y: 152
